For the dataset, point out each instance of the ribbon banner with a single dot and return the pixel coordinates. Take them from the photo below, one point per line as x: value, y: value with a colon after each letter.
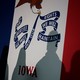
x: 53, y: 23
x: 55, y: 14
x: 41, y: 35
x: 23, y: 29
x: 32, y: 34
x: 50, y: 38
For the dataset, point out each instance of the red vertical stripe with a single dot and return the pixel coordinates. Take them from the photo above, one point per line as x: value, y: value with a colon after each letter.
x: 72, y: 37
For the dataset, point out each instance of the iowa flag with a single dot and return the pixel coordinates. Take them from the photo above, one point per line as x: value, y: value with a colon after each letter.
x: 44, y: 42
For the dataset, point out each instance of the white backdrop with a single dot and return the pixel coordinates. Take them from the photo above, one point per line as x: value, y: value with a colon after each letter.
x: 36, y: 49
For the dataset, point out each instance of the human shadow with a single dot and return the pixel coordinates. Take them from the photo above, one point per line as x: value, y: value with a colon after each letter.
x: 49, y: 67
x: 74, y: 73
x: 20, y: 62
x: 21, y: 69
x: 3, y: 63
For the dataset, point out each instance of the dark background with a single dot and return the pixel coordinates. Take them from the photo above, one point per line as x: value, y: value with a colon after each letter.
x: 6, y: 17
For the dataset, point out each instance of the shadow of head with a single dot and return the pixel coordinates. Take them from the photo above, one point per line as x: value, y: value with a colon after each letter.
x: 51, y: 46
x: 75, y: 66
x: 75, y: 63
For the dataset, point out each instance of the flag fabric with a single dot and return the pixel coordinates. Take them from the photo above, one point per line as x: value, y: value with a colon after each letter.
x: 71, y: 53
x: 44, y: 42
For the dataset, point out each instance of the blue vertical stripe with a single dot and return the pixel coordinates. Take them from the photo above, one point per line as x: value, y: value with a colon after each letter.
x: 6, y: 17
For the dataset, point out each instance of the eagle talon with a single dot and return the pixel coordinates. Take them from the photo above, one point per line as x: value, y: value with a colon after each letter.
x: 38, y: 11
